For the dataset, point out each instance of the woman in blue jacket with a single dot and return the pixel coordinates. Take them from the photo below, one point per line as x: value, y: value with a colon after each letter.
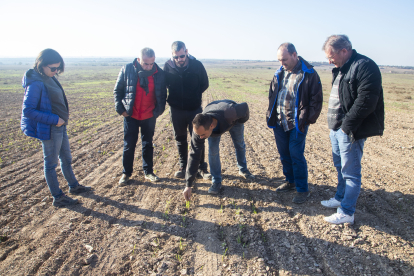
x: 45, y: 115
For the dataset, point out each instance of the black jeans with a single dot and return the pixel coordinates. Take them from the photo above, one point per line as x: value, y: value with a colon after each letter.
x: 131, y: 131
x: 183, y: 120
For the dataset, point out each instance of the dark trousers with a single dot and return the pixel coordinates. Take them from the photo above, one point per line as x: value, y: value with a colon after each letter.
x: 131, y: 131
x: 183, y: 120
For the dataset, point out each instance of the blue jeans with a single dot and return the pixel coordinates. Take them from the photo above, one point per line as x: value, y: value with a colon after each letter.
x: 131, y: 131
x: 347, y: 160
x: 58, y: 148
x: 291, y: 147
x: 237, y: 135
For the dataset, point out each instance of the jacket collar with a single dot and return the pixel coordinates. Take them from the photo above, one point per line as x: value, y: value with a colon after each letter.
x: 347, y: 64
x: 135, y: 62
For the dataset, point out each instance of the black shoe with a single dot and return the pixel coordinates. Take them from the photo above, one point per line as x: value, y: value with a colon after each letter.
x: 79, y: 189
x: 203, y: 173
x: 64, y: 201
x: 301, y: 197
x: 214, y: 189
x: 180, y: 173
x: 247, y: 175
x: 286, y: 187
x: 123, y: 181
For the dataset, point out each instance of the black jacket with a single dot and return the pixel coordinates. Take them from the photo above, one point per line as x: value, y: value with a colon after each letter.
x: 126, y: 87
x: 185, y: 91
x: 308, y: 97
x: 361, y: 97
x: 227, y: 113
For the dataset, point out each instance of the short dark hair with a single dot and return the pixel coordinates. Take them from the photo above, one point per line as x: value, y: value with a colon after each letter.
x: 177, y: 46
x: 289, y: 47
x: 204, y: 120
x: 46, y: 57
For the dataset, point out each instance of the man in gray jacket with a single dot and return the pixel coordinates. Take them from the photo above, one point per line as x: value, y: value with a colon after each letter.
x: 217, y: 118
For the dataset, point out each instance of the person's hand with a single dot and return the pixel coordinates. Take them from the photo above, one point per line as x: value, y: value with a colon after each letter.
x: 187, y: 193
x: 125, y: 114
x: 60, y: 122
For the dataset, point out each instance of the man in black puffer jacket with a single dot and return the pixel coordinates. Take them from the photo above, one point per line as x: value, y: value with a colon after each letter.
x: 355, y: 112
x: 186, y: 80
x: 140, y: 94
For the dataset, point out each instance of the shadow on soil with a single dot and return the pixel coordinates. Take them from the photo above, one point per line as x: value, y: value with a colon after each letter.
x: 377, y: 205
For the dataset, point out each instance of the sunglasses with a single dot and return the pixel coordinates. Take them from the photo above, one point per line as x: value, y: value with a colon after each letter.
x: 177, y: 57
x: 53, y: 69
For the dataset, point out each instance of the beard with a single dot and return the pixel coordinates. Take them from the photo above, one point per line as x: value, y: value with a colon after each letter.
x: 181, y: 63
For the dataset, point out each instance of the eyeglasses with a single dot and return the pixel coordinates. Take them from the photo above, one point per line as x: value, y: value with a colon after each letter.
x: 177, y: 57
x: 53, y: 69
x: 332, y: 57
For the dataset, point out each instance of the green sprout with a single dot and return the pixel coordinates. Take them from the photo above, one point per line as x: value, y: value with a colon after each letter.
x: 238, y: 211
x: 224, y: 254
x: 181, y: 247
x: 254, y: 209
x: 167, y: 211
x: 239, y: 239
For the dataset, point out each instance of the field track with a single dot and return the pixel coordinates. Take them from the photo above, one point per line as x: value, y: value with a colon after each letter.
x: 146, y: 228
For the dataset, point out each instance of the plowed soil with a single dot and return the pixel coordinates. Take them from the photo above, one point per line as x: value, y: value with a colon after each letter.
x: 146, y: 228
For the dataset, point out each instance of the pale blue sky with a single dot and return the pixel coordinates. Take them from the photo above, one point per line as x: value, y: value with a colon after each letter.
x: 381, y: 30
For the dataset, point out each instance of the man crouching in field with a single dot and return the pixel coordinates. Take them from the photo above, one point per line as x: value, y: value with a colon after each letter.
x: 140, y: 95
x: 355, y: 112
x: 217, y: 118
x: 295, y: 102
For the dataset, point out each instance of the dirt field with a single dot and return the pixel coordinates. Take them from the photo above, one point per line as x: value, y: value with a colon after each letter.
x: 146, y: 228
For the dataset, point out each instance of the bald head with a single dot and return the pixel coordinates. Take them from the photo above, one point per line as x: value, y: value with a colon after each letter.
x: 289, y: 47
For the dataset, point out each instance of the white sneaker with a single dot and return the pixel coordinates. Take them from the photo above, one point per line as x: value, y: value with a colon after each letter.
x: 339, y: 218
x: 331, y: 203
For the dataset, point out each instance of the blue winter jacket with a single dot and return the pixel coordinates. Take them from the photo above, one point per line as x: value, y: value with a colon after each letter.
x: 37, y: 116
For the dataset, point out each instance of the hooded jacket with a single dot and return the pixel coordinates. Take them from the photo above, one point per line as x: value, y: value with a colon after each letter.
x: 185, y: 91
x: 227, y: 113
x: 125, y: 89
x: 361, y: 97
x: 37, y: 116
x: 309, y: 98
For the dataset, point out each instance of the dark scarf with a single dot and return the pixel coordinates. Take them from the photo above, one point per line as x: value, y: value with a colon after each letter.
x: 143, y: 76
